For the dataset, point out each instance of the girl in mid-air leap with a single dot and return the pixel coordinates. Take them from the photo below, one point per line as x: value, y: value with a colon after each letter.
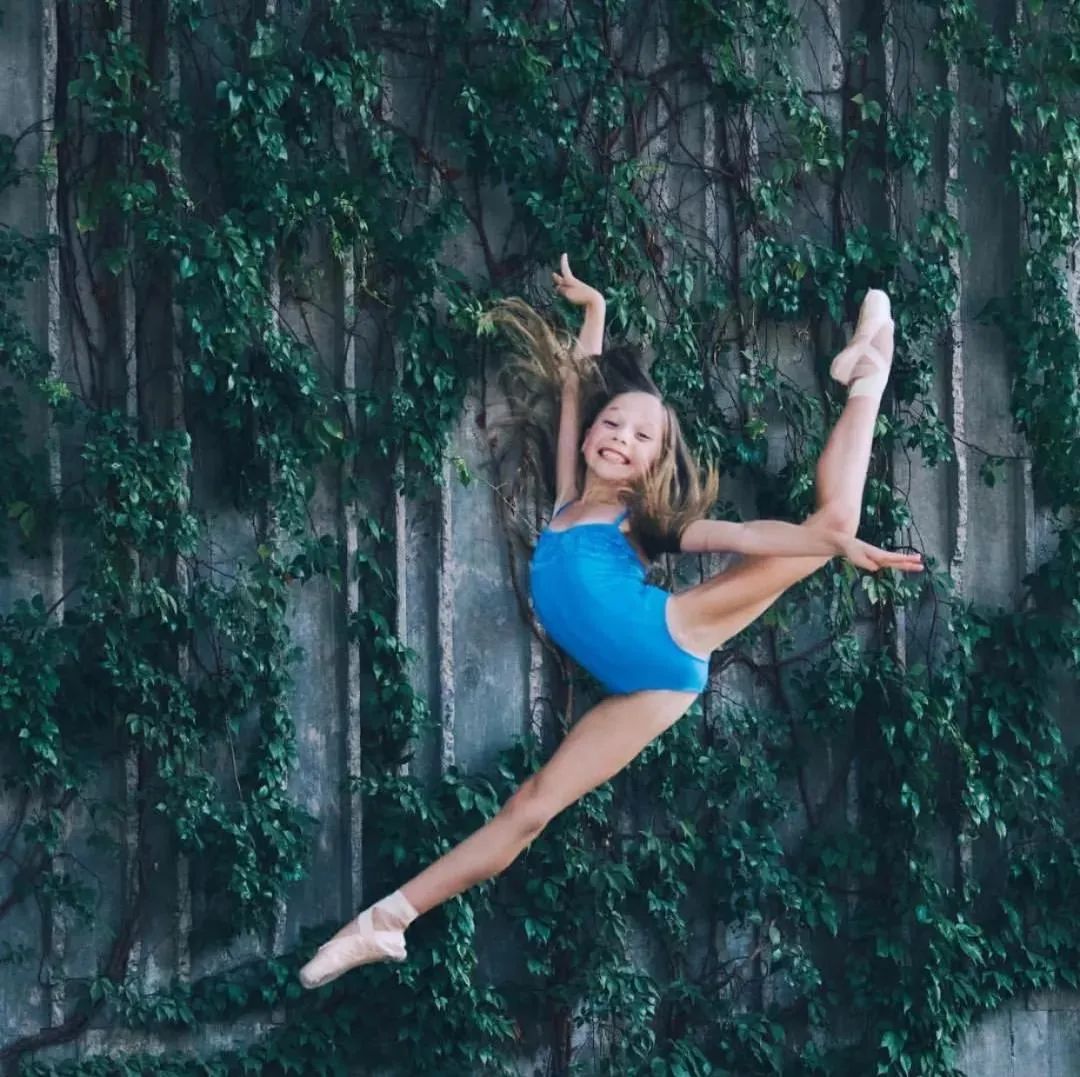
x: 627, y: 488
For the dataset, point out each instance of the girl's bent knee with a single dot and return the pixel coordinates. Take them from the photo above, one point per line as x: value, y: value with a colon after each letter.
x: 528, y: 810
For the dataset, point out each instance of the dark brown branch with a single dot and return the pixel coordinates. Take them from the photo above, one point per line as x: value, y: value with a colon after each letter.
x: 68, y: 1030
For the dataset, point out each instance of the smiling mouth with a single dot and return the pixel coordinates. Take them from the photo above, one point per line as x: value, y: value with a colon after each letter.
x: 613, y: 456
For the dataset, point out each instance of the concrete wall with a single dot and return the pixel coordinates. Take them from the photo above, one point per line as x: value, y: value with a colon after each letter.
x: 476, y: 662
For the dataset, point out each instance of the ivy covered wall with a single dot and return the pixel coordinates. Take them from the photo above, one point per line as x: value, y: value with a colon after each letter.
x: 261, y: 650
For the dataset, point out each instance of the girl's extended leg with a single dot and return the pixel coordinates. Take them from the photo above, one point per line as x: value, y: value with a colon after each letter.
x: 705, y: 617
x: 599, y: 745
x: 595, y: 749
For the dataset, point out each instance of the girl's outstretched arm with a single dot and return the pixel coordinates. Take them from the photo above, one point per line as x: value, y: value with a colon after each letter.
x: 774, y: 538
x: 590, y: 341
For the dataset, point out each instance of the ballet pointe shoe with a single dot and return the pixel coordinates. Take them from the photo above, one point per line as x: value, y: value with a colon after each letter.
x: 363, y: 942
x: 874, y: 315
x: 363, y: 946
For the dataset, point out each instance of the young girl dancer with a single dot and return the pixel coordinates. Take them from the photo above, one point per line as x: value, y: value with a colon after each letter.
x: 650, y: 648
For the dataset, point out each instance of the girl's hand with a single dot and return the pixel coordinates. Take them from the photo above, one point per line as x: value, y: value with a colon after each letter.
x: 873, y: 558
x: 574, y: 290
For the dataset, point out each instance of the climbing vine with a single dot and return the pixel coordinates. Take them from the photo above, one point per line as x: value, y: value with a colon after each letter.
x: 730, y: 904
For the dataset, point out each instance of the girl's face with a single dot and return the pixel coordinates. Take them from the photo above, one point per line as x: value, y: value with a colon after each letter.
x: 626, y: 438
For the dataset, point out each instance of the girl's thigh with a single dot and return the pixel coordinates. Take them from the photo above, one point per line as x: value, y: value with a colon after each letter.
x: 705, y: 617
x: 603, y: 741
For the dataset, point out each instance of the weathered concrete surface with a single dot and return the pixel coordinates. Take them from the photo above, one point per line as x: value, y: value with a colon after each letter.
x: 1035, y: 1037
x: 24, y: 71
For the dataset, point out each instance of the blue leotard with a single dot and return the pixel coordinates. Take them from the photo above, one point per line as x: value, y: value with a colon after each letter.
x: 589, y: 591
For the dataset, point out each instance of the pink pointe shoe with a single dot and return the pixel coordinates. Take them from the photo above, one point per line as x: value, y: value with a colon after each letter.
x: 362, y: 947
x: 364, y: 944
x: 874, y: 315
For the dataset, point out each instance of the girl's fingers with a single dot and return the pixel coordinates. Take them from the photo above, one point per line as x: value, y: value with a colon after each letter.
x: 873, y: 559
x: 902, y: 562
x: 564, y: 266
x: 894, y: 555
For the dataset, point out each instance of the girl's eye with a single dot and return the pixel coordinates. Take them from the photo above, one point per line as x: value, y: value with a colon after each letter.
x: 644, y: 437
x: 609, y: 422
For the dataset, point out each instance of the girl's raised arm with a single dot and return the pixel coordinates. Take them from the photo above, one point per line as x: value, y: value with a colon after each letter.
x: 590, y: 341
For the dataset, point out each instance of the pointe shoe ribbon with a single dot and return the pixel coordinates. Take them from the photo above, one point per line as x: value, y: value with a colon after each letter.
x: 360, y: 947
x: 874, y: 314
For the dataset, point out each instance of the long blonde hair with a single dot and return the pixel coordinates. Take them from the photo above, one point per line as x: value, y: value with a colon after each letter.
x: 672, y: 494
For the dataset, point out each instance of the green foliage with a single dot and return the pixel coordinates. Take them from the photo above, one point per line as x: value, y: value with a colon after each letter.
x: 711, y: 911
